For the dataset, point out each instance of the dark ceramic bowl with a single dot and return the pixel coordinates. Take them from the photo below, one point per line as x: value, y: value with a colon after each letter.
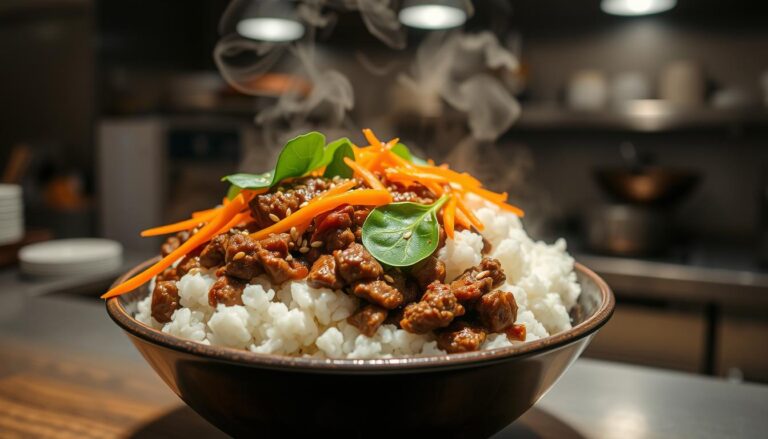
x: 462, y: 395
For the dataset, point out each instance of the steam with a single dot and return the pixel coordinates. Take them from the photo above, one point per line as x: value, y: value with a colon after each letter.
x: 459, y: 68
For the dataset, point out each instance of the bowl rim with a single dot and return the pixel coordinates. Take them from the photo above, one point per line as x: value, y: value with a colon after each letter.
x: 134, y: 328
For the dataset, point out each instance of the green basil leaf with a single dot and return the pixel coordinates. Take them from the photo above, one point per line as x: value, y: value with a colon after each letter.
x: 402, y: 234
x: 403, y: 151
x: 336, y: 152
x: 299, y: 156
x: 250, y: 181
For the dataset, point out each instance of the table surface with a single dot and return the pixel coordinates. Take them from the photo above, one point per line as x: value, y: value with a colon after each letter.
x: 67, y: 371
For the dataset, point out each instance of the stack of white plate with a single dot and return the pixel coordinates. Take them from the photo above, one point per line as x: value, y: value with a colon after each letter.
x: 70, y: 257
x: 11, y: 214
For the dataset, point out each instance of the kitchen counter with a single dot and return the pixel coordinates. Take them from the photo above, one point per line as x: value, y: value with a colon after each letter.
x: 67, y: 370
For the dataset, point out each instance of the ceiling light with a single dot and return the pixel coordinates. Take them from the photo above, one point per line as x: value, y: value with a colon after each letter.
x: 270, y: 29
x: 636, y: 7
x: 263, y: 20
x: 432, y: 14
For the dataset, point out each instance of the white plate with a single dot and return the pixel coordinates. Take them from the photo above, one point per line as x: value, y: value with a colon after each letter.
x: 69, y: 252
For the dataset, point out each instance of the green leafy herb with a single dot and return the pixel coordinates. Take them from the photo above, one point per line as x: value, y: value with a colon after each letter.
x: 334, y: 154
x: 403, y: 151
x: 402, y: 234
x: 299, y: 157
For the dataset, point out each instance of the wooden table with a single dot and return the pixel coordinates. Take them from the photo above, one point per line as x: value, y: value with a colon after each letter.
x: 66, y: 371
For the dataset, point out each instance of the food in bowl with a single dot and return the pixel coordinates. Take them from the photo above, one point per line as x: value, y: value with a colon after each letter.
x: 356, y: 252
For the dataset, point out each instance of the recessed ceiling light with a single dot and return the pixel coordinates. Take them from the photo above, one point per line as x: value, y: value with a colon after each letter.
x: 432, y: 15
x: 636, y: 7
x: 270, y: 29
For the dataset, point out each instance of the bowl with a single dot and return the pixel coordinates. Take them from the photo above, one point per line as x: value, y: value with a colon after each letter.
x: 655, y: 186
x: 472, y: 394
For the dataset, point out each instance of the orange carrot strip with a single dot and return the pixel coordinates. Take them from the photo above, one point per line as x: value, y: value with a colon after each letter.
x: 365, y: 197
x: 365, y: 174
x: 239, y: 218
x: 338, y: 189
x: 462, y: 220
x: 205, y: 234
x: 373, y: 164
x: 201, y: 213
x: 462, y: 178
x: 405, y: 174
x: 508, y: 207
x: 449, y: 216
x: 372, y: 139
x: 468, y: 212
x: 179, y: 226
x: 489, y: 195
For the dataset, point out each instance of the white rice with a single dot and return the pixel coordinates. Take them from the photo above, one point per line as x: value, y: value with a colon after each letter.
x: 296, y: 319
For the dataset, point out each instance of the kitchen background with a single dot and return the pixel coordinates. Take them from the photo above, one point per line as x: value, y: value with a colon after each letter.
x: 641, y: 139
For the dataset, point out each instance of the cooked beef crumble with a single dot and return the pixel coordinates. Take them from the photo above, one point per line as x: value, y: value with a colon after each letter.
x: 329, y: 254
x: 165, y: 300
x: 460, y: 337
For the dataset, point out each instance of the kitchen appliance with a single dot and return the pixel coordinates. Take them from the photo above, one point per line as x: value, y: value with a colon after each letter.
x: 638, y: 219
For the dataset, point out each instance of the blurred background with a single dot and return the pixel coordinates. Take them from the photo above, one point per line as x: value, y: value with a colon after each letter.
x: 636, y: 129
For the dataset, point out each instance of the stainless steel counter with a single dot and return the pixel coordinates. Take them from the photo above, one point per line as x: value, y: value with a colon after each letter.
x: 593, y: 399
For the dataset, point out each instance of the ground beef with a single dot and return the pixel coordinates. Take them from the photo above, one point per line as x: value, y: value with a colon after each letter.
x: 227, y: 291
x: 378, y: 292
x: 415, y: 193
x: 168, y: 274
x: 436, y: 309
x: 428, y: 271
x: 277, y: 203
x: 497, y: 310
x: 368, y: 319
x: 213, y: 253
x: 240, y: 255
x: 278, y: 263
x: 478, y: 280
x: 165, y: 300
x: 334, y: 229
x: 487, y: 246
x: 355, y: 263
x: 460, y: 337
x: 188, y: 263
x: 406, y: 286
x: 173, y: 242
x: 323, y: 274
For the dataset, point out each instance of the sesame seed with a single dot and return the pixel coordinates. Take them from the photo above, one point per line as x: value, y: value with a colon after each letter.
x: 304, y: 204
x: 304, y: 250
x: 389, y: 278
x: 291, y: 244
x: 279, y: 194
x: 274, y: 217
x: 304, y: 243
x: 288, y: 212
x: 316, y: 244
x: 482, y: 274
x: 194, y: 271
x: 289, y: 258
x: 294, y: 234
x: 238, y: 256
x: 407, y: 234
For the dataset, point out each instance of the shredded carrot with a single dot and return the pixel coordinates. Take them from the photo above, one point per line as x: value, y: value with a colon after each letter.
x: 199, y: 238
x: 462, y: 220
x: 365, y: 174
x: 468, y: 212
x: 338, y: 189
x: 239, y: 218
x: 449, y: 215
x: 201, y: 213
x: 462, y: 178
x: 303, y: 216
x: 372, y: 139
x: 179, y: 226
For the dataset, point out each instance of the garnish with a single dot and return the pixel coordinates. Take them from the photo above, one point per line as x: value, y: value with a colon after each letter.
x: 300, y: 156
x: 398, y: 234
x: 402, y: 234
